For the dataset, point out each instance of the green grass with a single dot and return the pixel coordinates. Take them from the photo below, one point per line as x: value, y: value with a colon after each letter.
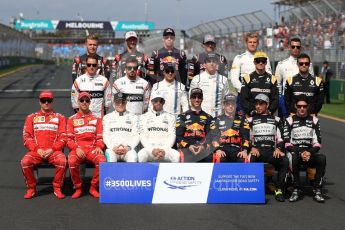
x: 13, y: 68
x: 336, y: 109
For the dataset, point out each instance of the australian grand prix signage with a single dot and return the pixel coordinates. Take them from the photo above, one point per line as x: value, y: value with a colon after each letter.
x: 83, y: 25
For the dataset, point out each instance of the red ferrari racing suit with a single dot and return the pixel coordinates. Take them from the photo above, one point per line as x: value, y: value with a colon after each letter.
x: 44, y: 131
x: 84, y: 131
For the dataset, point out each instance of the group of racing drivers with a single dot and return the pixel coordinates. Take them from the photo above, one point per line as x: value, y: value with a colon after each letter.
x: 166, y: 110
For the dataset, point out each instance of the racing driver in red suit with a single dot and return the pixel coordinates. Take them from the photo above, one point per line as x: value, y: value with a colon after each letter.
x: 44, y: 136
x: 85, y: 140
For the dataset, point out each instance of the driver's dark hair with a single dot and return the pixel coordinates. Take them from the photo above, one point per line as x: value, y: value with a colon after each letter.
x: 302, y: 97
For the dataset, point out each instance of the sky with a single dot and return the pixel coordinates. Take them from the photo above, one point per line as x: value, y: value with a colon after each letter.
x: 182, y: 14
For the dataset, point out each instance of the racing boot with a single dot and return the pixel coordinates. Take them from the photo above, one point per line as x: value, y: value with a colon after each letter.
x: 58, y: 193
x: 78, y: 192
x: 294, y: 196
x: 93, y: 192
x: 30, y: 193
x: 318, y: 197
x: 279, y: 195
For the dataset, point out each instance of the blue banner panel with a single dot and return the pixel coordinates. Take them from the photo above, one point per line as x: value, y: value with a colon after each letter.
x: 35, y: 24
x: 134, y: 25
x: 127, y: 182
x: 237, y: 183
x: 182, y: 183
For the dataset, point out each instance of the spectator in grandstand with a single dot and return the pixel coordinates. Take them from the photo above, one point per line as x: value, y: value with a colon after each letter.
x: 44, y: 135
x: 118, y: 68
x: 213, y: 85
x: 288, y: 68
x: 304, y: 83
x: 193, y: 131
x: 79, y: 62
x: 259, y: 82
x: 97, y: 85
x: 174, y: 92
x: 168, y: 54
x: 302, y: 139
x: 197, y: 64
x: 158, y: 133
x: 230, y: 136
x: 326, y: 74
x: 120, y: 132
x: 244, y: 63
x: 267, y: 141
x: 85, y: 141
x: 136, y: 89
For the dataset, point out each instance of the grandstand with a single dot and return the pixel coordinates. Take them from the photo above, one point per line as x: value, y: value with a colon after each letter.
x: 320, y: 24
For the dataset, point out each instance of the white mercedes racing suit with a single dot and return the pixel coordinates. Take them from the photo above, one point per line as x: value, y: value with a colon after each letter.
x: 120, y: 129
x: 137, y: 92
x: 175, y: 95
x: 98, y: 87
x: 244, y: 64
x: 214, y: 88
x: 288, y: 68
x: 157, y: 130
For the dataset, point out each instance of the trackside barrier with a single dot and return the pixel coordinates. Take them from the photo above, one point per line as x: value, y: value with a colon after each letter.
x: 147, y: 183
x: 337, y: 89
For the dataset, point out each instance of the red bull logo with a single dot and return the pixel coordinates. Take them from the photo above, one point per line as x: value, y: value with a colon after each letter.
x: 169, y: 59
x: 230, y: 133
x: 195, y: 127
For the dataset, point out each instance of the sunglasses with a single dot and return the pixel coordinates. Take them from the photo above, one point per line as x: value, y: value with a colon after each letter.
x: 156, y: 100
x: 295, y: 47
x: 260, y: 61
x: 169, y: 71
x: 301, y: 106
x: 169, y: 37
x: 43, y: 101
x: 196, y: 97
x: 303, y: 63
x: 93, y: 65
x: 131, y: 68
x: 84, y: 100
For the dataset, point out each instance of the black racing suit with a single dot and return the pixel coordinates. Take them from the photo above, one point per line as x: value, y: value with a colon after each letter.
x: 303, y: 134
x: 162, y: 56
x: 118, y: 65
x: 254, y: 84
x: 231, y: 135
x: 197, y: 65
x: 266, y: 133
x: 311, y: 86
x: 194, y: 128
x: 79, y: 66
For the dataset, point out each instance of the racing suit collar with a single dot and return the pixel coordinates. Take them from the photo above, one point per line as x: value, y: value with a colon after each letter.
x: 93, y: 76
x: 120, y: 114
x: 292, y: 58
x: 168, y: 83
x: 196, y: 111
x: 80, y: 113
x: 42, y: 113
x: 157, y: 113
x: 250, y: 54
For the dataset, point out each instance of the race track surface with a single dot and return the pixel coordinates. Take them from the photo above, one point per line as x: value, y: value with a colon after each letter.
x: 18, y: 95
